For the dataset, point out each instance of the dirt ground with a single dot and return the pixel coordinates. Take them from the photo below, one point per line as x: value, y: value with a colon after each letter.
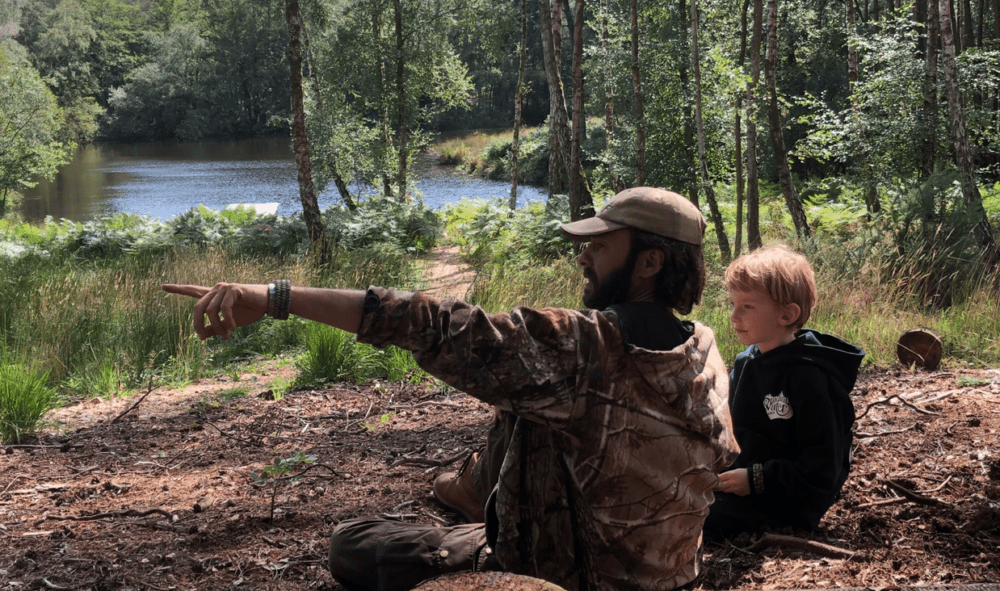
x: 157, y: 492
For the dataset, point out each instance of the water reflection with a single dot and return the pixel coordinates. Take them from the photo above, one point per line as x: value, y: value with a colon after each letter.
x: 167, y: 179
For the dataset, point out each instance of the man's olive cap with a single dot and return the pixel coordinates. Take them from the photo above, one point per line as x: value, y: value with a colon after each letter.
x: 645, y: 208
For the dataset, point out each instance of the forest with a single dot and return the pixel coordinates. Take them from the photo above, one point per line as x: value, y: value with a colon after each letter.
x: 890, y: 109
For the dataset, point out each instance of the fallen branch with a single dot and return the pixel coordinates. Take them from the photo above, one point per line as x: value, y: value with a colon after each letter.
x: 915, y: 497
x: 795, y: 543
x: 860, y: 435
x: 880, y: 502
x: 137, y: 402
x: 434, y: 463
x: 180, y: 529
x: 902, y: 400
x: 128, y: 513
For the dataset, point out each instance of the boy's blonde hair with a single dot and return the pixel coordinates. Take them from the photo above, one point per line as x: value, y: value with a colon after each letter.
x: 785, y: 276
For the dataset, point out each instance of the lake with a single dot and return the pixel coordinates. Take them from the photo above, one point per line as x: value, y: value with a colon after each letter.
x: 166, y: 179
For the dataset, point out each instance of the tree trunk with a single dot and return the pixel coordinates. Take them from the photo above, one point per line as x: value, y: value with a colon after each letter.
x: 753, y: 190
x: 403, y: 131
x: 706, y: 181
x: 738, y: 134
x: 558, y: 117
x: 609, y: 104
x: 522, y: 56
x: 581, y: 203
x: 960, y: 140
x: 774, y: 122
x: 872, y: 203
x: 690, y: 149
x: 383, y: 109
x: 967, y: 39
x: 640, y: 123
x: 338, y: 180
x: 928, y: 147
x: 307, y: 192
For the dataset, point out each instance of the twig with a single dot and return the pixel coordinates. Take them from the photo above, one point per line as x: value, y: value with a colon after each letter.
x: 860, y: 435
x: 180, y: 529
x: 431, y: 461
x: 137, y: 402
x: 948, y: 430
x: 127, y: 513
x: 6, y: 488
x: 52, y: 585
x: 769, y: 540
x: 902, y: 401
x: 880, y: 502
x: 943, y: 484
x: 308, y: 468
x: 436, y: 518
x: 909, y: 494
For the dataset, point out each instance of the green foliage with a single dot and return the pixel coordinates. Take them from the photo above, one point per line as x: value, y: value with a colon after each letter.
x: 278, y: 473
x: 333, y: 355
x: 30, y: 122
x: 25, y: 397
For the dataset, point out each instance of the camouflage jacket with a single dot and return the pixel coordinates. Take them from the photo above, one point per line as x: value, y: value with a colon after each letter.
x: 610, y: 470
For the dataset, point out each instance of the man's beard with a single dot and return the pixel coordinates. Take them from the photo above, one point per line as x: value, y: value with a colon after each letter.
x: 616, y: 287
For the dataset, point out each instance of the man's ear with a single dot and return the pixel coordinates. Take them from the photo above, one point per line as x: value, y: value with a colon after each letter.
x: 649, y: 263
x: 790, y: 314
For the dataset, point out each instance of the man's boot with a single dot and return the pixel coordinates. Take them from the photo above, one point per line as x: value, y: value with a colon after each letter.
x: 456, y: 491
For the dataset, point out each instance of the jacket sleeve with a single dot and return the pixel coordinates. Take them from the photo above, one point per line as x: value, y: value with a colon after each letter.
x: 821, y: 428
x: 535, y: 363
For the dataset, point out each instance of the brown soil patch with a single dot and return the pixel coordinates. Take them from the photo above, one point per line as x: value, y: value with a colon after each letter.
x: 922, y: 505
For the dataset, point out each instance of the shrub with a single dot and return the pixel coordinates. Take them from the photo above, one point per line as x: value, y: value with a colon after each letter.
x: 24, y: 398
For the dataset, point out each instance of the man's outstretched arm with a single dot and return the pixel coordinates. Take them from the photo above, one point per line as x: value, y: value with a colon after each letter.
x: 229, y: 305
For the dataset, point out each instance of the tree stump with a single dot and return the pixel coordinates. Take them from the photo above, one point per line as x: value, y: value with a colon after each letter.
x: 919, y: 347
x: 488, y: 581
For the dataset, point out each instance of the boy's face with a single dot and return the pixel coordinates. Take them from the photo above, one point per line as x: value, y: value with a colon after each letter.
x: 759, y: 320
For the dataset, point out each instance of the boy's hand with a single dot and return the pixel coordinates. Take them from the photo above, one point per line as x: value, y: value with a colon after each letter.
x: 735, y: 481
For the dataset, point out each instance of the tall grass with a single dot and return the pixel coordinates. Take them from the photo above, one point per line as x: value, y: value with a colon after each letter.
x: 333, y: 355
x: 25, y: 396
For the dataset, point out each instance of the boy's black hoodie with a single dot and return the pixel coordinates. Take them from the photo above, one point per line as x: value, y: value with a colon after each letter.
x: 792, y: 416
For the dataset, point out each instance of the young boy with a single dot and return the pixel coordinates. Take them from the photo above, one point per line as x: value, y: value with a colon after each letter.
x: 789, y: 400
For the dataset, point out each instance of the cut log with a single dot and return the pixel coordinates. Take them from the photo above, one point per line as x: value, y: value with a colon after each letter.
x: 488, y: 581
x: 920, y: 348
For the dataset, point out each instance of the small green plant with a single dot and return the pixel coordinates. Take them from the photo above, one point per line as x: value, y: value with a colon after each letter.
x: 24, y: 398
x: 231, y: 393
x: 971, y: 381
x: 278, y: 473
x: 384, y: 419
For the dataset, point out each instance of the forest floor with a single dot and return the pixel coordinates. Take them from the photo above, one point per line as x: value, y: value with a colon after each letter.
x: 156, y: 492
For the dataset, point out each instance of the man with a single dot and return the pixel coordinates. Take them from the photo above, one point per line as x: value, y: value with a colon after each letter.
x: 612, y: 421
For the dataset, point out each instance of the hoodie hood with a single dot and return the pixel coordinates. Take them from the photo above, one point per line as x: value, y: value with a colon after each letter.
x: 837, y: 357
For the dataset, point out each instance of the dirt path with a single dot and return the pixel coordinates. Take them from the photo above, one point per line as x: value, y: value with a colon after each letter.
x: 446, y: 275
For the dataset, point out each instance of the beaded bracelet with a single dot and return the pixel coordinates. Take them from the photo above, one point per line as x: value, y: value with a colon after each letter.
x: 279, y: 299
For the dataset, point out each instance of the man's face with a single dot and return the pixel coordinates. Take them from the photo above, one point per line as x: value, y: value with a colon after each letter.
x: 608, y: 268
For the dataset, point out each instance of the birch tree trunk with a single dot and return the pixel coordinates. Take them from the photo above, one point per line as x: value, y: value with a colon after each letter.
x: 609, y: 104
x: 307, y: 191
x: 640, y: 124
x: 706, y: 181
x: 581, y: 204
x: 558, y: 117
x: 928, y: 148
x: 960, y: 140
x: 792, y: 200
x: 402, y: 134
x: 738, y: 135
x: 690, y: 141
x: 383, y: 109
x: 515, y: 146
x: 753, y: 192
